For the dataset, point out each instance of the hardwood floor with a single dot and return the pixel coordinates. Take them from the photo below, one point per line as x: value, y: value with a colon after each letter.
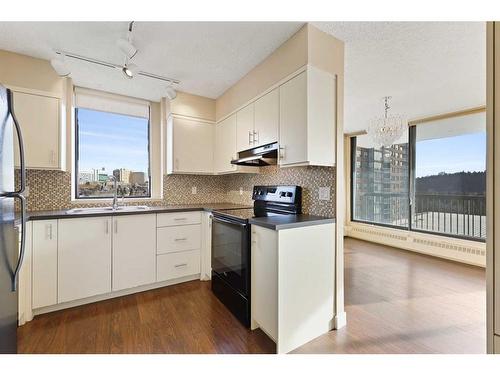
x: 184, y: 318
x: 403, y: 302
x: 396, y: 302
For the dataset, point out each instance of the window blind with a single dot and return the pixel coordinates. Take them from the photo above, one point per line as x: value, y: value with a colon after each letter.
x: 107, y: 102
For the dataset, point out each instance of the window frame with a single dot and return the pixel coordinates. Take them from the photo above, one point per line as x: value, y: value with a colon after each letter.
x: 77, y: 156
x: 412, y: 133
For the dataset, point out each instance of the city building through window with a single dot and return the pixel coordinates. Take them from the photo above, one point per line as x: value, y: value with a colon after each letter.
x: 111, y: 150
x: 432, y: 180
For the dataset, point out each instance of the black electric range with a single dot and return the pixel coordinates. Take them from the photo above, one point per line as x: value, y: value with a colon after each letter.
x: 231, y: 244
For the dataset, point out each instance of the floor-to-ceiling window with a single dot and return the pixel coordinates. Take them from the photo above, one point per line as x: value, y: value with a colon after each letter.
x: 433, y: 179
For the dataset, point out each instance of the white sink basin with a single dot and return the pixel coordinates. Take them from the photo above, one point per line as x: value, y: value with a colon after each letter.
x: 106, y: 209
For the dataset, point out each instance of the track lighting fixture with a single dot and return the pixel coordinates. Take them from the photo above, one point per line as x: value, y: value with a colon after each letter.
x: 125, y: 45
x: 129, y: 70
x: 59, y: 65
x: 171, y: 93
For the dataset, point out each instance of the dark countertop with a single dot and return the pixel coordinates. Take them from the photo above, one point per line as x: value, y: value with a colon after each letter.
x: 63, y: 214
x: 290, y: 221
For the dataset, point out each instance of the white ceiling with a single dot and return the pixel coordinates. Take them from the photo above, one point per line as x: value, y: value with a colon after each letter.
x: 207, y: 57
x: 427, y: 67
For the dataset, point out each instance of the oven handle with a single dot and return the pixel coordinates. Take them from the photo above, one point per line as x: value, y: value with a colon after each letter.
x: 221, y: 220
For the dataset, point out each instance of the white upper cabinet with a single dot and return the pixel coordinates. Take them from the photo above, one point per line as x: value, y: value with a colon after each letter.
x: 307, y: 128
x: 40, y: 122
x: 245, y: 128
x: 84, y: 258
x: 190, y: 146
x: 134, y: 251
x: 225, y: 145
x: 267, y: 117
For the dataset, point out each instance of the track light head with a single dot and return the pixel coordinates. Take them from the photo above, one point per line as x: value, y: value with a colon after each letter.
x: 129, y: 70
x: 127, y: 48
x: 171, y: 93
x: 59, y: 65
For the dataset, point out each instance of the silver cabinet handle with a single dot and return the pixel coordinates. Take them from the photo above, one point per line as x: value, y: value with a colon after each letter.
x: 116, y: 225
x: 50, y: 231
x: 180, y: 218
x: 52, y: 157
x: 107, y: 226
x: 282, y: 152
x: 251, y: 138
x: 180, y: 265
x: 181, y: 239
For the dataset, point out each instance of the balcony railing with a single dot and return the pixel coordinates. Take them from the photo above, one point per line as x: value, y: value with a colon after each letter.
x: 448, y: 214
x: 457, y: 215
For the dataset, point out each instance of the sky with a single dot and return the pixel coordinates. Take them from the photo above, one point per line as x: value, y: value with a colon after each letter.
x: 453, y: 154
x: 112, y: 141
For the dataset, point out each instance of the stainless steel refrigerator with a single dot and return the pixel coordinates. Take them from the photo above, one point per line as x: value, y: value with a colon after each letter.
x: 11, y: 253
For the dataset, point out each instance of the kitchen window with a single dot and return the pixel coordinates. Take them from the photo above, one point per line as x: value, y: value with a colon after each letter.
x: 112, y: 145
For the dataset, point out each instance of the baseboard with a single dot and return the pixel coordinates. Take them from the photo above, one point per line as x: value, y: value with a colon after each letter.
x: 459, y: 250
x: 102, y: 297
x: 340, y: 320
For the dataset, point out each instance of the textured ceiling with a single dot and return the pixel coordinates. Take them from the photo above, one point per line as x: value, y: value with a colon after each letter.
x: 427, y: 67
x: 207, y: 57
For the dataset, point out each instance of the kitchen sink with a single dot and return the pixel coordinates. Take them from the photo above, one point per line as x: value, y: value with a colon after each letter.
x: 106, y: 209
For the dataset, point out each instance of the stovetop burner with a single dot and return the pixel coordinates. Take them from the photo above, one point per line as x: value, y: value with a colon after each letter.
x: 268, y: 201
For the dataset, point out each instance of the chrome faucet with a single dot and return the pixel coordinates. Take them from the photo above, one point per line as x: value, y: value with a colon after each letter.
x: 115, y: 193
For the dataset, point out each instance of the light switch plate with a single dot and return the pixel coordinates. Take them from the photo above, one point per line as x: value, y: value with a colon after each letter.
x: 324, y: 193
x: 194, y: 190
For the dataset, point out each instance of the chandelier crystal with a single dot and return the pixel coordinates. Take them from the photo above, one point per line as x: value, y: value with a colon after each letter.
x: 384, y: 131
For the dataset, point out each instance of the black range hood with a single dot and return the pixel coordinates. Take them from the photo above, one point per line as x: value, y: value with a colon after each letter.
x: 258, y: 156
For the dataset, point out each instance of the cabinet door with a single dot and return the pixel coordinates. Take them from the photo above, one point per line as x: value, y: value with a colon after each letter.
x: 44, y: 258
x: 293, y: 120
x: 265, y: 280
x: 225, y: 145
x: 84, y: 258
x: 267, y: 117
x: 38, y: 117
x: 244, y: 128
x: 134, y: 251
x: 192, y: 146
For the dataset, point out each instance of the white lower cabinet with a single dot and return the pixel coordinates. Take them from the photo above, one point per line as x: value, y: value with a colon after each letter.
x: 78, y: 258
x: 44, y: 258
x: 175, y: 265
x: 265, y: 280
x: 134, y: 251
x: 84, y: 258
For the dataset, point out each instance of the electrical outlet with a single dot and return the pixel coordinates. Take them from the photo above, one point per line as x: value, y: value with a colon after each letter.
x: 241, y: 191
x: 26, y: 192
x: 324, y: 193
x: 194, y: 190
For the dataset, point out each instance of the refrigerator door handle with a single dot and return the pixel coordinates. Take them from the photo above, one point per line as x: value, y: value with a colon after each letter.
x: 22, y: 163
x: 22, y: 246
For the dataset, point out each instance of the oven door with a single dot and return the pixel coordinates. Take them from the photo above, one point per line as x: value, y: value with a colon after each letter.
x: 231, y: 253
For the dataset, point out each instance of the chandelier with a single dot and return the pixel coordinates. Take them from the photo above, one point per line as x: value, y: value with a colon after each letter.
x: 384, y: 131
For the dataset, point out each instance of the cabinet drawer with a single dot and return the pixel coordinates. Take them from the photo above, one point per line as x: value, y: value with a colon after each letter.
x: 179, y: 238
x: 175, y: 265
x: 178, y: 218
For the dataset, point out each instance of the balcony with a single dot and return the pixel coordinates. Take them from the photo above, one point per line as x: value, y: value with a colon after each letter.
x: 462, y: 216
x: 456, y: 215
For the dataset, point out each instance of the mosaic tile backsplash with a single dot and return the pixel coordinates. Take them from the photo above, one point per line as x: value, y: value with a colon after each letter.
x: 51, y: 190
